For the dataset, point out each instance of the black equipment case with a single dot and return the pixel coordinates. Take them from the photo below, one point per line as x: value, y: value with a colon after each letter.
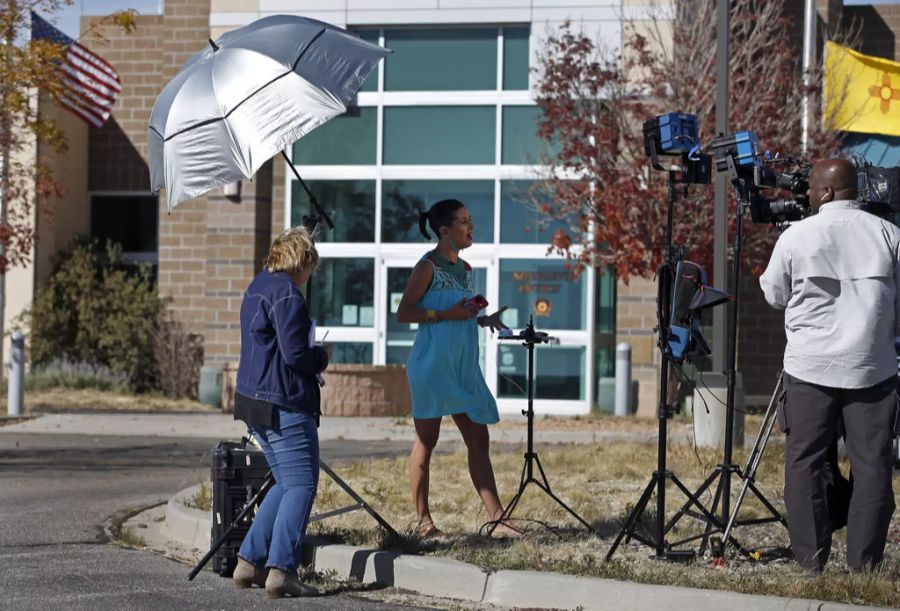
x: 237, y: 474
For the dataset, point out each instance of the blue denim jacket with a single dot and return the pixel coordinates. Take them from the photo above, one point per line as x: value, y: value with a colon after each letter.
x: 277, y: 362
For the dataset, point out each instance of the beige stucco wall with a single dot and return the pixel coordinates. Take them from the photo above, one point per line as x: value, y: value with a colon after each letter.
x: 59, y: 221
x: 69, y: 214
x: 20, y: 279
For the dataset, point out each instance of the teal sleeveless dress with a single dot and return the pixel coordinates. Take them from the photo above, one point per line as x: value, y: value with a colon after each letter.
x: 444, y: 376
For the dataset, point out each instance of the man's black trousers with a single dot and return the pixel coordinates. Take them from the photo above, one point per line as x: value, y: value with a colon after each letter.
x: 810, y: 416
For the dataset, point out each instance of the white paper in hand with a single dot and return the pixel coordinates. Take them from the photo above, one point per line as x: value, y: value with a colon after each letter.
x: 312, y: 342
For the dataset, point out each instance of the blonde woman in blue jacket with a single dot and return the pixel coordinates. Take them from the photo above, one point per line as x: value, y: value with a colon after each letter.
x: 278, y: 397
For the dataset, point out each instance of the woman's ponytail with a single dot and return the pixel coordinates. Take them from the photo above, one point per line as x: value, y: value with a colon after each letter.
x: 423, y: 219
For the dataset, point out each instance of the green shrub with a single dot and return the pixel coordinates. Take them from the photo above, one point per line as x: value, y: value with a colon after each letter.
x: 66, y: 374
x: 94, y: 310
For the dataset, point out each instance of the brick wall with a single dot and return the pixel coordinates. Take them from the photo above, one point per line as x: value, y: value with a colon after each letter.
x: 635, y: 320
x: 881, y: 28
x: 761, y: 341
x: 118, y: 150
x: 210, y: 247
x: 183, y: 270
x: 366, y: 390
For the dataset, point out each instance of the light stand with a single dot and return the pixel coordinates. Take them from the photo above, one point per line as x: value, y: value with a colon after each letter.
x: 663, y: 549
x: 530, y: 337
x: 726, y: 468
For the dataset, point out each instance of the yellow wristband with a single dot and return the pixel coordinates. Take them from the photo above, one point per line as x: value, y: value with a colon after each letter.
x: 431, y: 316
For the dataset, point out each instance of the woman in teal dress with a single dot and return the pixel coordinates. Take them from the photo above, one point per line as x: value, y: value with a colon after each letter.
x: 444, y: 376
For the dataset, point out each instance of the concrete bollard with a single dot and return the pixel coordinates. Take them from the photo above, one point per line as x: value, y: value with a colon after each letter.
x: 710, y: 412
x: 623, y: 379
x: 16, y: 375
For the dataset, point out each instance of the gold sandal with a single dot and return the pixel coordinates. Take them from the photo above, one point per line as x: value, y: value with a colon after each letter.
x: 427, y: 530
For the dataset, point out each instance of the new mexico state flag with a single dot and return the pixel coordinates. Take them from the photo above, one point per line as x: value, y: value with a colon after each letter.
x: 862, y: 93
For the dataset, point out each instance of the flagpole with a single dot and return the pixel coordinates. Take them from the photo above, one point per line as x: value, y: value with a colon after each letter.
x: 809, y: 60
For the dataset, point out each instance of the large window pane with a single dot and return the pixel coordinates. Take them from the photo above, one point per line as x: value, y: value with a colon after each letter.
x: 543, y: 288
x: 401, y: 201
x: 521, y: 144
x: 348, y: 139
x: 351, y: 353
x: 343, y: 293
x: 371, y: 83
x: 515, y: 58
x: 441, y: 59
x: 521, y: 221
x: 559, y: 372
x: 350, y: 203
x: 129, y: 220
x: 439, y: 135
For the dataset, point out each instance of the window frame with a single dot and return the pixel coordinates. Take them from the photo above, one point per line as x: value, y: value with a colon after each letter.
x: 487, y: 255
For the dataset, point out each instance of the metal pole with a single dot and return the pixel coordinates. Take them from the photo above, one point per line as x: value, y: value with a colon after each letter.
x: 5, y: 140
x: 810, y: 20
x: 623, y: 379
x: 16, y: 390
x: 720, y: 224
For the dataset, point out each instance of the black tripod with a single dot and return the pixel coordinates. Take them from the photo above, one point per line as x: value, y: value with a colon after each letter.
x: 530, y: 337
x: 264, y: 488
x: 664, y: 549
x: 749, y: 474
x: 723, y: 471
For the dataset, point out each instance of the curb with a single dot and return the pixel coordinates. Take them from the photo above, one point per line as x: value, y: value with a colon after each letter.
x: 447, y: 578
x: 188, y: 526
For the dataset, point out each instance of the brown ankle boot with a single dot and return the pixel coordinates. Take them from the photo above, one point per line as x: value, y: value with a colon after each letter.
x: 280, y: 584
x: 246, y: 575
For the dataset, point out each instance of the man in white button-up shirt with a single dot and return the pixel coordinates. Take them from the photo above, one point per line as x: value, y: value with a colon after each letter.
x: 836, y: 275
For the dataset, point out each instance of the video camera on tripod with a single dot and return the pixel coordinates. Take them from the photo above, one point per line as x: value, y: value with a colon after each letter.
x: 752, y: 171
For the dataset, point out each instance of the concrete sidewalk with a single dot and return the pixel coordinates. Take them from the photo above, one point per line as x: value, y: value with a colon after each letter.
x: 224, y: 427
x: 184, y: 532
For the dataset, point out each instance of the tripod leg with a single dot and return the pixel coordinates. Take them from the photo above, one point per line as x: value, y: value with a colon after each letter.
x: 749, y: 474
x: 737, y: 508
x: 708, y: 529
x: 507, y: 511
x: 684, y: 508
x: 263, y: 489
x: 710, y: 517
x: 634, y: 515
x: 346, y: 488
x: 762, y: 499
x: 546, y: 488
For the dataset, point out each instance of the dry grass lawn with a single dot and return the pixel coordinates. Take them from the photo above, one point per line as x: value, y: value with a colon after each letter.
x: 602, y: 483
x: 87, y: 399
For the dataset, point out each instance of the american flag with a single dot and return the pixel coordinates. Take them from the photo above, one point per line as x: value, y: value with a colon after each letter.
x: 91, y: 83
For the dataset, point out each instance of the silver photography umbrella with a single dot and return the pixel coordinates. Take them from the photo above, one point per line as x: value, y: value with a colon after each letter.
x: 254, y: 92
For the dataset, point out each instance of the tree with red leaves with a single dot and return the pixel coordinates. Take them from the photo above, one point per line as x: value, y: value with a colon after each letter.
x: 598, y: 178
x: 27, y: 182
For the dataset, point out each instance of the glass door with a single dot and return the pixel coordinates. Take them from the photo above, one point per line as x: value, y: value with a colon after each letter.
x: 398, y: 337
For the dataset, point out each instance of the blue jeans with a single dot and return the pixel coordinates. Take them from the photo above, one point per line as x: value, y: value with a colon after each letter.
x: 291, y: 447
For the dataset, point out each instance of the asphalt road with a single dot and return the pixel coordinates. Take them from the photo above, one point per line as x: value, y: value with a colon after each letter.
x: 56, y: 493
